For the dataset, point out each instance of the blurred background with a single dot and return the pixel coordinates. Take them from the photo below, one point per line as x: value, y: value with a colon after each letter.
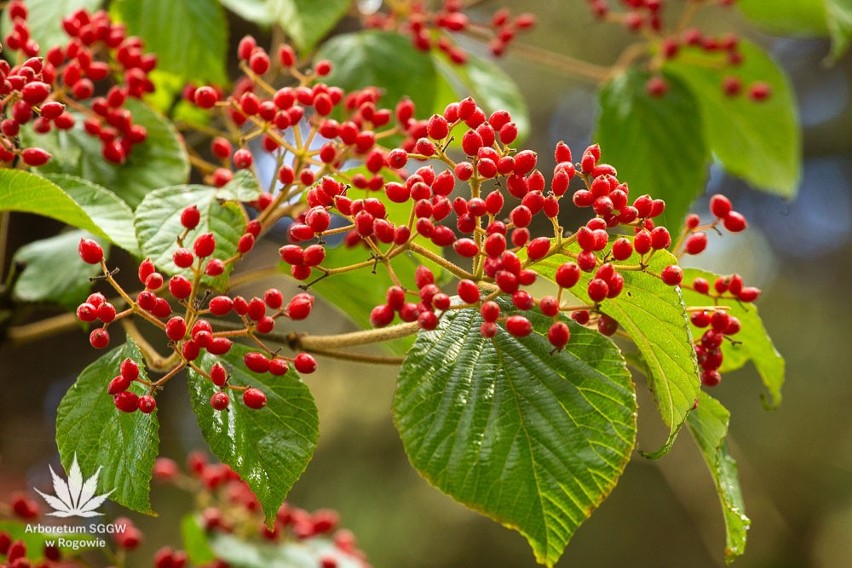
x: 795, y: 462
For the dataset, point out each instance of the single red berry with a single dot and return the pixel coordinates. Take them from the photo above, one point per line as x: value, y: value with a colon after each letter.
x: 221, y: 305
x: 672, y: 275
x: 204, y: 245
x: 305, y: 363
x: 190, y: 217
x: 381, y: 315
x: 300, y: 306
x: 278, y: 366
x: 720, y: 206
x: 180, y: 287
x: 622, y: 248
x: 259, y: 61
x: 696, y: 243
x: 220, y: 400
x: 656, y: 86
x: 567, y: 275
x: 182, y: 258
x: 146, y: 404
x: 538, y: 248
x: 559, y: 334
x: 87, y: 312
x: 214, y: 267
x: 519, y: 326
x: 660, y: 238
x: 734, y: 222
x: 106, y: 312
x: 759, y: 91
x: 99, y: 338
x: 597, y: 289
x: 90, y: 251
x: 710, y: 377
x: 257, y: 362
x: 254, y: 398
x: 176, y: 328
x: 206, y: 97
x: 126, y: 401
x: 35, y: 157
x: 732, y: 86
x: 606, y: 325
x: 468, y: 291
x: 218, y: 374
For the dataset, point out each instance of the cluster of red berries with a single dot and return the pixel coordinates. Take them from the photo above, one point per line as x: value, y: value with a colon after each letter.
x: 723, y: 211
x: 233, y: 509
x: 190, y: 333
x: 648, y: 16
x: 35, y: 91
x: 423, y: 24
x: 13, y: 553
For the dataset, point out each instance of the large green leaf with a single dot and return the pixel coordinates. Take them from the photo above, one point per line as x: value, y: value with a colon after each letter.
x: 789, y: 17
x: 653, y: 315
x: 54, y: 272
x: 45, y: 19
x: 158, y: 224
x: 532, y: 438
x: 270, y: 447
x: 384, y: 59
x: 752, y: 343
x: 839, y: 18
x: 492, y: 88
x: 190, y: 37
x: 757, y: 141
x: 305, y: 21
x: 655, y: 142
x: 112, y: 215
x: 31, y: 193
x: 158, y: 162
x: 708, y: 425
x: 123, y: 445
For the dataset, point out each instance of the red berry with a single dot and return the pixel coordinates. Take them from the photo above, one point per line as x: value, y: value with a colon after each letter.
x: 710, y: 377
x: 206, y: 97
x: 90, y: 251
x: 126, y: 401
x: 759, y: 91
x: 176, y: 328
x: 257, y: 362
x: 99, y: 338
x: 656, y: 86
x: 598, y: 289
x: 305, y: 363
x: 180, y: 287
x: 87, y: 312
x: 190, y: 217
x: 720, y: 206
x: 559, y: 334
x: 538, y: 248
x: 278, y: 366
x: 35, y: 157
x: 218, y: 375
x: 300, y: 306
x: 734, y: 222
x: 182, y: 258
x: 204, y: 245
x: 567, y: 275
x: 606, y: 325
x: 468, y: 291
x: 519, y: 326
x: 696, y: 243
x: 254, y: 398
x: 146, y: 404
x: 660, y: 238
x: 106, y: 312
x: 672, y: 275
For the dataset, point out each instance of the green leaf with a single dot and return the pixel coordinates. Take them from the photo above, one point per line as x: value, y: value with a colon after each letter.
x: 752, y: 343
x: 54, y: 272
x: 384, y: 59
x: 158, y: 162
x: 45, y: 19
x: 244, y: 187
x: 534, y: 439
x: 839, y: 18
x: 654, y: 316
x: 31, y: 193
x: 492, y: 88
x: 195, y: 541
x: 759, y: 142
x: 787, y: 17
x: 112, y: 215
x: 270, y: 447
x: 708, y: 425
x: 158, y: 224
x: 123, y: 445
x: 305, y: 21
x: 655, y: 142
x: 190, y: 37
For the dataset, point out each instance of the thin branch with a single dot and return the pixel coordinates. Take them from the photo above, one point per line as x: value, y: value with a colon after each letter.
x: 317, y: 343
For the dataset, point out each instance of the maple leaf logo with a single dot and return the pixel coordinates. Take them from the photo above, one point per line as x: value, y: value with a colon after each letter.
x: 75, y: 497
